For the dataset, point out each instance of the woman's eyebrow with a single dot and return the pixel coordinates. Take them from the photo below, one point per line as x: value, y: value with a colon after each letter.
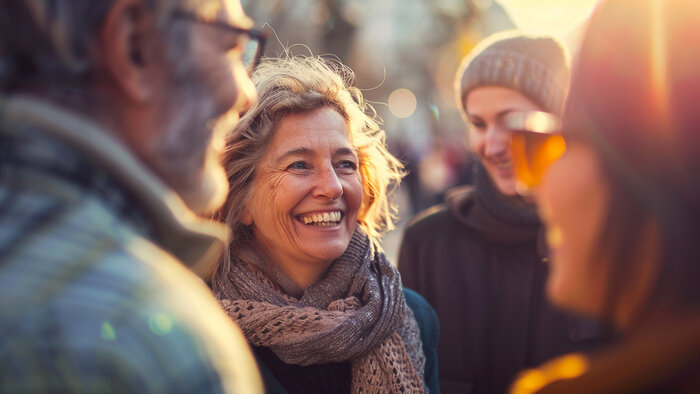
x: 345, y: 151
x: 301, y: 151
x: 295, y: 152
x: 504, y: 113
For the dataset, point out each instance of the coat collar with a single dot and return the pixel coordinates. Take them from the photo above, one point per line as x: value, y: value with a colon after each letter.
x: 198, y: 243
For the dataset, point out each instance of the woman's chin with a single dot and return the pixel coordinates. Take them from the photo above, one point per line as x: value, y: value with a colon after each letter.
x: 323, y: 243
x: 504, y: 182
x: 326, y: 251
x: 564, y: 295
x: 507, y: 187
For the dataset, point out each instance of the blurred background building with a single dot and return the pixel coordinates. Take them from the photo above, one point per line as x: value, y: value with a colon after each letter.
x: 405, y: 54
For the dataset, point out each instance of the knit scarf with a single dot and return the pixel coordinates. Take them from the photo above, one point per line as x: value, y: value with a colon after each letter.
x: 357, y: 312
x: 498, y: 218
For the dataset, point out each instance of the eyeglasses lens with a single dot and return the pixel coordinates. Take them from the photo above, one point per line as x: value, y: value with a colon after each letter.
x: 250, y: 55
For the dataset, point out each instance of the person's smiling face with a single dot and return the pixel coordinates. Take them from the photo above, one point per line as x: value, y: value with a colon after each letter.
x: 486, y: 108
x: 306, y: 194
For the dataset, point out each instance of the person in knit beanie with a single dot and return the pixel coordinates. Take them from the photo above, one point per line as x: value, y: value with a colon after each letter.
x: 478, y: 258
x: 508, y: 72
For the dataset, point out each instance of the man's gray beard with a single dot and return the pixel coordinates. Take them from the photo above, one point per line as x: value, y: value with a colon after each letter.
x: 186, y: 160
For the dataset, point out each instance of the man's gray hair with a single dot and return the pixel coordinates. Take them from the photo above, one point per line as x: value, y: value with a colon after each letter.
x: 54, y: 39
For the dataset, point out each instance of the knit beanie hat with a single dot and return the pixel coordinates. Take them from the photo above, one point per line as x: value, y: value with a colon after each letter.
x: 537, y: 67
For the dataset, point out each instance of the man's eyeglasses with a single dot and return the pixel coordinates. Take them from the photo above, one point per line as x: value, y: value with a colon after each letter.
x: 536, y: 143
x: 253, y: 44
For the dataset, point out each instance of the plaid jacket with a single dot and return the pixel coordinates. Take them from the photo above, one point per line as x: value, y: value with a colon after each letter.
x: 94, y: 296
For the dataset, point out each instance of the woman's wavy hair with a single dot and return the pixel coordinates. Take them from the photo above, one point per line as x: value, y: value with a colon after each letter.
x: 299, y: 84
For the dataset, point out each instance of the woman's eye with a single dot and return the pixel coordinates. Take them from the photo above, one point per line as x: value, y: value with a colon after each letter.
x: 479, y: 125
x: 298, y: 165
x: 347, y: 165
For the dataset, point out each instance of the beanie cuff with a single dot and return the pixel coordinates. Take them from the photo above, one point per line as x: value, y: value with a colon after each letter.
x: 518, y: 72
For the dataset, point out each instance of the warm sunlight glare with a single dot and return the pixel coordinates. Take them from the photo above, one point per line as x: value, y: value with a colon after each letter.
x: 402, y: 103
x: 658, y: 54
x: 565, y: 367
x: 559, y: 18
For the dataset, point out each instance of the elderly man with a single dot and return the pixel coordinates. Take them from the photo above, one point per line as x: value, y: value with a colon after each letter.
x: 111, y: 115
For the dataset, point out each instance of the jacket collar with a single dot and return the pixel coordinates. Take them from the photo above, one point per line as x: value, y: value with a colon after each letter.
x: 198, y: 243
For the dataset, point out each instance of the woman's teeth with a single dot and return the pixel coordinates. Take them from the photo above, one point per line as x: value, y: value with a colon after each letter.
x: 505, y: 166
x: 322, y: 219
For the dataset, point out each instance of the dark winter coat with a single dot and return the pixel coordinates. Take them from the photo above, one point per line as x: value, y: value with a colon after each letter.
x: 476, y: 260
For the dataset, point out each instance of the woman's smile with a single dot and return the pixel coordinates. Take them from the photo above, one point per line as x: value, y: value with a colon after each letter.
x: 503, y: 168
x: 321, y: 219
x: 307, y: 191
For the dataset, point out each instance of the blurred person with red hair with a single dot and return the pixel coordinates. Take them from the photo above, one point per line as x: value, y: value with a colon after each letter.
x: 622, y: 204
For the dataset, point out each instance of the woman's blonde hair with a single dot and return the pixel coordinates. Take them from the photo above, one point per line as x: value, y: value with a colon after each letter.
x: 298, y: 84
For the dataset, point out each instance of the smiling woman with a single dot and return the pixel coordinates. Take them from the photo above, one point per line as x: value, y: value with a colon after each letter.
x: 304, y: 277
x: 307, y: 215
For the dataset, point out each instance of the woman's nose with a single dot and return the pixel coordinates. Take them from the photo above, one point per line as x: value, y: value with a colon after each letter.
x: 497, y: 142
x: 328, y: 185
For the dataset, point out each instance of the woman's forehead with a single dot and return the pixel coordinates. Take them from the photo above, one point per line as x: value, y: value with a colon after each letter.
x: 307, y: 129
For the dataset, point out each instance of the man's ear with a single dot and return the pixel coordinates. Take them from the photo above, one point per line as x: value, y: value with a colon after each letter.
x: 127, y: 41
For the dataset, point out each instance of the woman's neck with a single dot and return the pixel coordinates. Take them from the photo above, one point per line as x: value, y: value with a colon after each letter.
x: 303, y: 275
x: 296, y: 273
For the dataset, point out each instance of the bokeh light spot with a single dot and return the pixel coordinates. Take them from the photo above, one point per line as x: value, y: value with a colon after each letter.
x: 566, y: 367
x: 402, y: 103
x: 435, y: 111
x: 530, y: 382
x: 161, y: 323
x: 107, y: 331
x: 572, y: 366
